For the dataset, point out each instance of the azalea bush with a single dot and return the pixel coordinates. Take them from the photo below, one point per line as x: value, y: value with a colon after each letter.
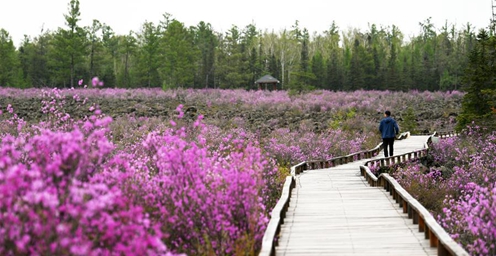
x: 95, y: 185
x: 73, y: 191
x: 54, y: 203
x: 291, y: 147
x: 457, y: 182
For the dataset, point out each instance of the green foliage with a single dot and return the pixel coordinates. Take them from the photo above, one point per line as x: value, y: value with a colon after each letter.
x: 148, y: 55
x: 340, y: 117
x: 10, y: 66
x: 206, y: 42
x: 478, y: 102
x: 68, y: 48
x: 409, y: 122
x: 199, y: 57
x: 126, y: 53
x: 179, y: 55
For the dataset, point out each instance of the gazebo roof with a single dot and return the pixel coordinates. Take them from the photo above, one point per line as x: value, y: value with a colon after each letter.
x: 267, y: 79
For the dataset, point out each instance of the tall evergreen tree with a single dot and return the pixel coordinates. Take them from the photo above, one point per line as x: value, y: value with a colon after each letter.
x: 179, y: 55
x: 393, y: 75
x: 10, y: 66
x: 206, y: 42
x: 148, y: 55
x: 251, y: 41
x: 230, y: 60
x: 69, y: 48
x: 127, y: 48
x: 478, y: 102
x: 356, y: 70
x: 110, y: 47
x: 318, y: 71
x: 33, y: 55
x: 274, y: 67
x: 95, y: 49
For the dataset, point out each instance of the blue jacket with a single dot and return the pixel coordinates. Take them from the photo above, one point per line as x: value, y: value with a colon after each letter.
x: 389, y: 128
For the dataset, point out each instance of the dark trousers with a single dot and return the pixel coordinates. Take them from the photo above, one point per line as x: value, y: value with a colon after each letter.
x: 388, y: 145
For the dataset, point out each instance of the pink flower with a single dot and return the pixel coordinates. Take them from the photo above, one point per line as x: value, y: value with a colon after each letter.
x: 80, y: 82
x: 95, y: 81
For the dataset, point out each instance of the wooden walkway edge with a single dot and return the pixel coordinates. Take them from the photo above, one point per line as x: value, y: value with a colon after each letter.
x: 333, y: 211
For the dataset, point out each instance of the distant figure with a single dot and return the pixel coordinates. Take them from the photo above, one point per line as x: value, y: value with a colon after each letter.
x: 389, y: 129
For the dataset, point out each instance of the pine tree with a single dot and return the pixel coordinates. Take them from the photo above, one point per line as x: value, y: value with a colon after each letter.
x: 478, y: 102
x: 10, y: 66
x: 69, y: 48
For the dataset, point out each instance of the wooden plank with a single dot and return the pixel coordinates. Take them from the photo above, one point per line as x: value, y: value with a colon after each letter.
x: 335, y: 211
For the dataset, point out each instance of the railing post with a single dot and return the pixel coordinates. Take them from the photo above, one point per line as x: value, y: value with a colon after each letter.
x: 432, y: 239
x: 441, y: 250
x: 415, y: 217
x: 421, y: 224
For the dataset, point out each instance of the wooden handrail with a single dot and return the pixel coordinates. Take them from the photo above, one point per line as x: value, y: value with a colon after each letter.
x: 277, y: 216
x: 269, y: 241
x: 443, y: 135
x: 386, y: 161
x: 437, y: 236
x: 320, y: 164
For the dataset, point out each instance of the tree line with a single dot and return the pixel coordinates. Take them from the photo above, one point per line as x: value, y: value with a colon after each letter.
x: 171, y: 55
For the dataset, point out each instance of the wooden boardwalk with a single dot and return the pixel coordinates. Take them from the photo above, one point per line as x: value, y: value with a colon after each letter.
x: 334, y: 211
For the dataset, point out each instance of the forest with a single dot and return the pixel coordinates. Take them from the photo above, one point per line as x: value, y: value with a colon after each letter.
x: 171, y: 55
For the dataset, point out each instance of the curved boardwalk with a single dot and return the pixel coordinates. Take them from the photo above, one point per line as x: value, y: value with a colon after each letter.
x: 334, y: 211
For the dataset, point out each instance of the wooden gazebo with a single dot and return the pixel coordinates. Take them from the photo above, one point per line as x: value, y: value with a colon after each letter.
x: 267, y: 81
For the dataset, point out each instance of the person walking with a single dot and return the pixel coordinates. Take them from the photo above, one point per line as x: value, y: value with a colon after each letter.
x: 389, y: 129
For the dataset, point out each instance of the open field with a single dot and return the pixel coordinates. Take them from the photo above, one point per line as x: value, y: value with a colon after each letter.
x: 181, y: 171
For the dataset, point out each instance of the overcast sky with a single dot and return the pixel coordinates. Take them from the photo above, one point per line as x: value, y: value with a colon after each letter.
x: 27, y: 17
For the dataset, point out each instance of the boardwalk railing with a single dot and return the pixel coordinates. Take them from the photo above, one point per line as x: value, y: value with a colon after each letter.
x: 433, y: 231
x: 386, y: 161
x: 277, y: 216
x: 443, y: 135
x: 321, y: 164
x: 437, y: 236
x: 269, y: 240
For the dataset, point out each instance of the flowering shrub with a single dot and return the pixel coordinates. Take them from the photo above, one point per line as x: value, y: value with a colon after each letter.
x: 207, y: 203
x: 459, y: 186
x: 74, y: 192
x: 291, y: 147
x: 145, y: 186
x: 51, y: 205
x: 471, y: 219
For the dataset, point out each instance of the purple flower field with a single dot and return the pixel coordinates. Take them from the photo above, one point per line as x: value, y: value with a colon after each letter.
x: 145, y: 186
x: 458, y: 185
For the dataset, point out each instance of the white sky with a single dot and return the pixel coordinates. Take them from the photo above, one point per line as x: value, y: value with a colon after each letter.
x: 27, y: 17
